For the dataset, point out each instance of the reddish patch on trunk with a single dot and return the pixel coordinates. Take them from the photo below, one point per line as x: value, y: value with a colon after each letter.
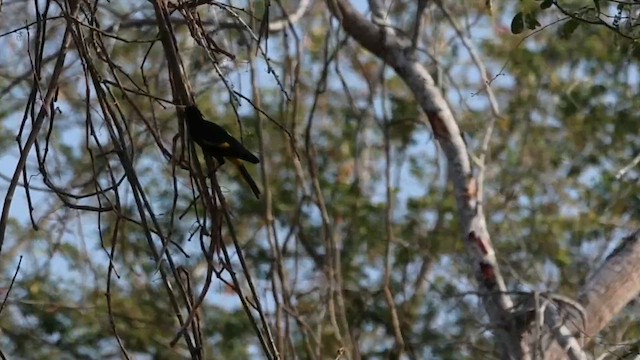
x: 477, y: 240
x: 439, y: 129
x: 488, y: 275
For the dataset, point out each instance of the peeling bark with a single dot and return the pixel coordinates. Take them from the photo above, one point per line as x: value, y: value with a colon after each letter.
x: 395, y: 51
x: 605, y: 293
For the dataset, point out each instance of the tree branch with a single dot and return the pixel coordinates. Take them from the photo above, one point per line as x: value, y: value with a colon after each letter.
x: 394, y: 51
x: 608, y: 290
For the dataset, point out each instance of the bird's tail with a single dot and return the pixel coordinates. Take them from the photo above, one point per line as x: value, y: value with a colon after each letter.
x: 247, y: 177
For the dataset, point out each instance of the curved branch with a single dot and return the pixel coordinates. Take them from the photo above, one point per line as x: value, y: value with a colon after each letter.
x: 281, y: 24
x: 395, y: 50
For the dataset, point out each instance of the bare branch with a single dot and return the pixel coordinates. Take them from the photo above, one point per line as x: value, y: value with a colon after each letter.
x: 42, y: 113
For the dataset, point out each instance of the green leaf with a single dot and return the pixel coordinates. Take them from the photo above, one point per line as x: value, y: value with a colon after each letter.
x: 568, y: 28
x: 531, y: 21
x: 517, y: 24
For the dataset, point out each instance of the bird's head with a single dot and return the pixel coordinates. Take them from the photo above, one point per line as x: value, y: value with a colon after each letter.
x: 191, y: 111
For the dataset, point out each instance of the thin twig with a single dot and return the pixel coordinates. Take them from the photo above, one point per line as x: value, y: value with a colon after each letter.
x: 13, y: 280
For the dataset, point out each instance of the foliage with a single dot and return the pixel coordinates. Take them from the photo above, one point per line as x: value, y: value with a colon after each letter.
x: 355, y: 184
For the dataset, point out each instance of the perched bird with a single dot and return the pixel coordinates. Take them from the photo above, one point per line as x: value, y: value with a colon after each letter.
x: 217, y: 142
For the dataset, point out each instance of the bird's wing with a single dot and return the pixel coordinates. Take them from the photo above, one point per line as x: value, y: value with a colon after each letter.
x: 216, y: 144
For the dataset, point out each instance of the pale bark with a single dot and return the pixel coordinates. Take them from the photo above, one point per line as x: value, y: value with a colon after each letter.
x: 607, y: 291
x: 395, y: 51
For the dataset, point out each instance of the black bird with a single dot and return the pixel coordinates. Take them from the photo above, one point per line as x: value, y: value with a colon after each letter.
x: 217, y: 142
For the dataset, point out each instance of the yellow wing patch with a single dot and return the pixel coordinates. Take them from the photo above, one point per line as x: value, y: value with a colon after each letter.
x: 223, y: 145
